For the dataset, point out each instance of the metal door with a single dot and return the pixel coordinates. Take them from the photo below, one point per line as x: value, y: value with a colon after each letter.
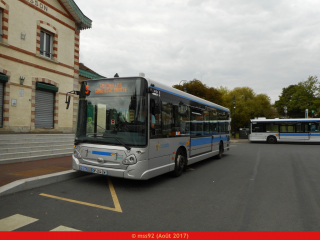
x: 44, y: 109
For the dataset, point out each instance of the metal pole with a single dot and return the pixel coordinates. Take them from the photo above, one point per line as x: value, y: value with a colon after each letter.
x: 234, y: 116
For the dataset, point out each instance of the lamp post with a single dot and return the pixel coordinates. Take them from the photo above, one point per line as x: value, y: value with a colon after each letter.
x: 285, y: 110
x: 234, y: 116
x: 185, y: 89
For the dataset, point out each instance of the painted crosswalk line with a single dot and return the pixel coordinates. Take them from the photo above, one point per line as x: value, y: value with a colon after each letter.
x: 64, y: 229
x: 15, y: 221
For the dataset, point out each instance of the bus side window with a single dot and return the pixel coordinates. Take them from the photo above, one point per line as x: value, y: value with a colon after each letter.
x: 155, y: 118
x: 314, y: 127
x: 181, y: 116
x: 167, y: 118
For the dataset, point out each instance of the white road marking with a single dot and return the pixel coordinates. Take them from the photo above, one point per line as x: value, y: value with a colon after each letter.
x: 15, y: 221
x: 63, y: 229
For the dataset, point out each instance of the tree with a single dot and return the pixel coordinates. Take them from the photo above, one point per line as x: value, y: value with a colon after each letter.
x: 248, y: 106
x: 197, y: 88
x: 298, y: 98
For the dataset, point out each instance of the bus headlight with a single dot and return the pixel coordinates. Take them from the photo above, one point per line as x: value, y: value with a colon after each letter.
x: 76, y: 154
x: 130, y: 160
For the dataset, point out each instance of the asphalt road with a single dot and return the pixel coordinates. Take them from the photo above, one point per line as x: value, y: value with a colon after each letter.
x: 255, y: 186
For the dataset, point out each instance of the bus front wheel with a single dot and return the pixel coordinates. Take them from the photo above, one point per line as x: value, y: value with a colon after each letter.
x: 180, y: 163
x: 271, y: 140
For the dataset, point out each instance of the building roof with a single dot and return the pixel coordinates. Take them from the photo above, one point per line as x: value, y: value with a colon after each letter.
x: 83, y: 21
x: 84, y: 71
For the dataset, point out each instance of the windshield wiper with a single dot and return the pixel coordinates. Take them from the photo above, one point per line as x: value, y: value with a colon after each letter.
x: 102, y: 127
x: 122, y: 143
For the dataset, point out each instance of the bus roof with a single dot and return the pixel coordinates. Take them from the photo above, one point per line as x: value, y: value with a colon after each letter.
x: 177, y: 92
x: 171, y: 90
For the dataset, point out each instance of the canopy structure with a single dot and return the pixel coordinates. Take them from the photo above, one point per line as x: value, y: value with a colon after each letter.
x: 83, y: 21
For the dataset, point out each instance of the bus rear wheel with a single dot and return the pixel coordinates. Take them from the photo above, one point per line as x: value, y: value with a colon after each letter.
x: 180, y: 163
x: 272, y: 140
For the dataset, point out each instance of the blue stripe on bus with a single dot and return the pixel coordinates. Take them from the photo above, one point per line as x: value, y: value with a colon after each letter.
x: 299, y: 134
x: 203, y: 141
x: 294, y: 134
x: 101, y: 153
x: 200, y: 141
x: 190, y: 99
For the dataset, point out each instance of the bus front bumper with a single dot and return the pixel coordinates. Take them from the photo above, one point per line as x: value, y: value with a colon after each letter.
x: 132, y: 172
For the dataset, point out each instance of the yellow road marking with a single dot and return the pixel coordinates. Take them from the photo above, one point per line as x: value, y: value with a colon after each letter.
x: 114, y: 196
x: 190, y: 169
x: 117, y: 207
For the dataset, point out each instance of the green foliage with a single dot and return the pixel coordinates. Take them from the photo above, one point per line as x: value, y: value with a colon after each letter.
x: 297, y: 98
x: 197, y: 88
x: 248, y: 106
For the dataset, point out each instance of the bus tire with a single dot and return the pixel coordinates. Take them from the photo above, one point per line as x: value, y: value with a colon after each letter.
x: 271, y: 140
x: 220, y: 150
x: 180, y: 162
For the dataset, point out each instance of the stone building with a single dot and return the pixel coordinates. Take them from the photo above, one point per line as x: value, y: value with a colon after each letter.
x: 39, y: 64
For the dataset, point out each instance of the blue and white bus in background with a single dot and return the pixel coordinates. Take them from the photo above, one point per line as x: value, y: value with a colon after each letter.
x: 285, y: 130
x: 137, y: 128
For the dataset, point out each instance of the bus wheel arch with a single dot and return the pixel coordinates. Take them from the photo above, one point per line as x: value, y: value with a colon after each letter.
x: 271, y: 139
x: 180, y: 161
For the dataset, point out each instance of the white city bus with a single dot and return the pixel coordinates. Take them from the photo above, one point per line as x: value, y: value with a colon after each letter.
x: 285, y: 130
x: 138, y: 128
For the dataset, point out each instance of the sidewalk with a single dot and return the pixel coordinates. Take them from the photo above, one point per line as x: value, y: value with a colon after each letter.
x: 16, y: 171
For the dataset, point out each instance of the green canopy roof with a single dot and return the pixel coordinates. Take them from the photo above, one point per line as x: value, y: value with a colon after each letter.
x: 83, y: 21
x: 88, y: 74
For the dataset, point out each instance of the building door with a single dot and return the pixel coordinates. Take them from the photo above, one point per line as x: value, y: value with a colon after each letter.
x: 44, y: 109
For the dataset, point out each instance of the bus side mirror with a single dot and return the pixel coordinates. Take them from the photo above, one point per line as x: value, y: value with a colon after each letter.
x: 154, y: 107
x: 157, y: 109
x: 68, y: 97
x: 68, y: 101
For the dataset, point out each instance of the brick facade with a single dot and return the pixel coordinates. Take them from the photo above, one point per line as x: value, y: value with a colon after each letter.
x: 20, y: 58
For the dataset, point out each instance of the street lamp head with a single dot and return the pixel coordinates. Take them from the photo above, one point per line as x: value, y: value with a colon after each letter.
x: 185, y: 88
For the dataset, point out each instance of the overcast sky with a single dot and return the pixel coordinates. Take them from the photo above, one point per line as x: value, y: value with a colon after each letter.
x: 265, y: 45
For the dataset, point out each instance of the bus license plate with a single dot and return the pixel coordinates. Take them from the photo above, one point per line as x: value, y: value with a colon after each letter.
x: 83, y: 168
x: 99, y: 171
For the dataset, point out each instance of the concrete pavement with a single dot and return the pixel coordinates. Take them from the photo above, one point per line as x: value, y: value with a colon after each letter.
x: 19, y: 176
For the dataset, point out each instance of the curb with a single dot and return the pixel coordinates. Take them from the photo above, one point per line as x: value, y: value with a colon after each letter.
x: 235, y: 141
x: 39, y: 181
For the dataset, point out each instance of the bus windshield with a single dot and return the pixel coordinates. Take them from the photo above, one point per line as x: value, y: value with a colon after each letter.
x: 113, y: 111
